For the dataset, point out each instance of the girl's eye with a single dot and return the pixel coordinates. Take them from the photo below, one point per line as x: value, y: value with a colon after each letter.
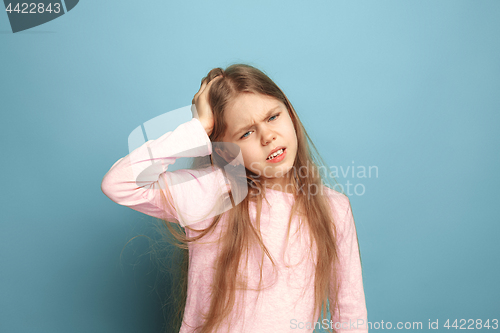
x: 271, y: 119
x: 276, y: 115
x: 244, y: 135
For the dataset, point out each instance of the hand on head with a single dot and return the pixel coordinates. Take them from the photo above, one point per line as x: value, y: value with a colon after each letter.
x: 202, y: 109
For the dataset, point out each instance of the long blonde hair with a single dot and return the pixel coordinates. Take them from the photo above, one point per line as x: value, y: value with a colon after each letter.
x: 241, y: 233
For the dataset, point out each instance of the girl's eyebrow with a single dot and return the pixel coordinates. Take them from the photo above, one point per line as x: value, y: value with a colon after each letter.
x: 269, y: 113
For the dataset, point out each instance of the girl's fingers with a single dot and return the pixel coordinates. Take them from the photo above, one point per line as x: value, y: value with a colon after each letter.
x: 203, y: 88
x: 207, y: 86
x: 195, y: 98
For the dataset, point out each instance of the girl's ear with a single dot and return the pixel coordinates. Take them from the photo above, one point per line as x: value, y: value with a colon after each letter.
x: 228, y: 151
x: 218, y: 151
x: 222, y: 154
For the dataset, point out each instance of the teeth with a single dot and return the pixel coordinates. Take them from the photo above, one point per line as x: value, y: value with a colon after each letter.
x: 279, y: 152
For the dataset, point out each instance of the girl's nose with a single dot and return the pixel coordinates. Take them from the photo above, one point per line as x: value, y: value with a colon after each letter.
x: 268, y: 137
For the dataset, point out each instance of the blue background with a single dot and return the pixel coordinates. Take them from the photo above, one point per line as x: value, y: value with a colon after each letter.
x: 411, y: 87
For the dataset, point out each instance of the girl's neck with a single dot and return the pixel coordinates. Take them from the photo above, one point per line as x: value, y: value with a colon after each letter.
x: 283, y: 184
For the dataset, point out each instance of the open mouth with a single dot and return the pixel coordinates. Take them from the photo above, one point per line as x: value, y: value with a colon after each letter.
x: 276, y: 155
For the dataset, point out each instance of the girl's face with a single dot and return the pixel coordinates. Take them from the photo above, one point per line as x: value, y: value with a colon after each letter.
x: 260, y: 125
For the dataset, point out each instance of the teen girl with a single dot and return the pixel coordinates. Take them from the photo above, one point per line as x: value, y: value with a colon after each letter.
x: 272, y: 259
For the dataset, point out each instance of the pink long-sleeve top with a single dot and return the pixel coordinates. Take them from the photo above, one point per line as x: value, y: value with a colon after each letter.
x: 139, y: 180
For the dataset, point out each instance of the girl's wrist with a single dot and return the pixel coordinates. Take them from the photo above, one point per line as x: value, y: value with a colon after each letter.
x: 207, y: 128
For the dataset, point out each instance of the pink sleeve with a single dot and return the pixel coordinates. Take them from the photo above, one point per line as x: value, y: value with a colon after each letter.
x: 140, y: 180
x: 353, y: 313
